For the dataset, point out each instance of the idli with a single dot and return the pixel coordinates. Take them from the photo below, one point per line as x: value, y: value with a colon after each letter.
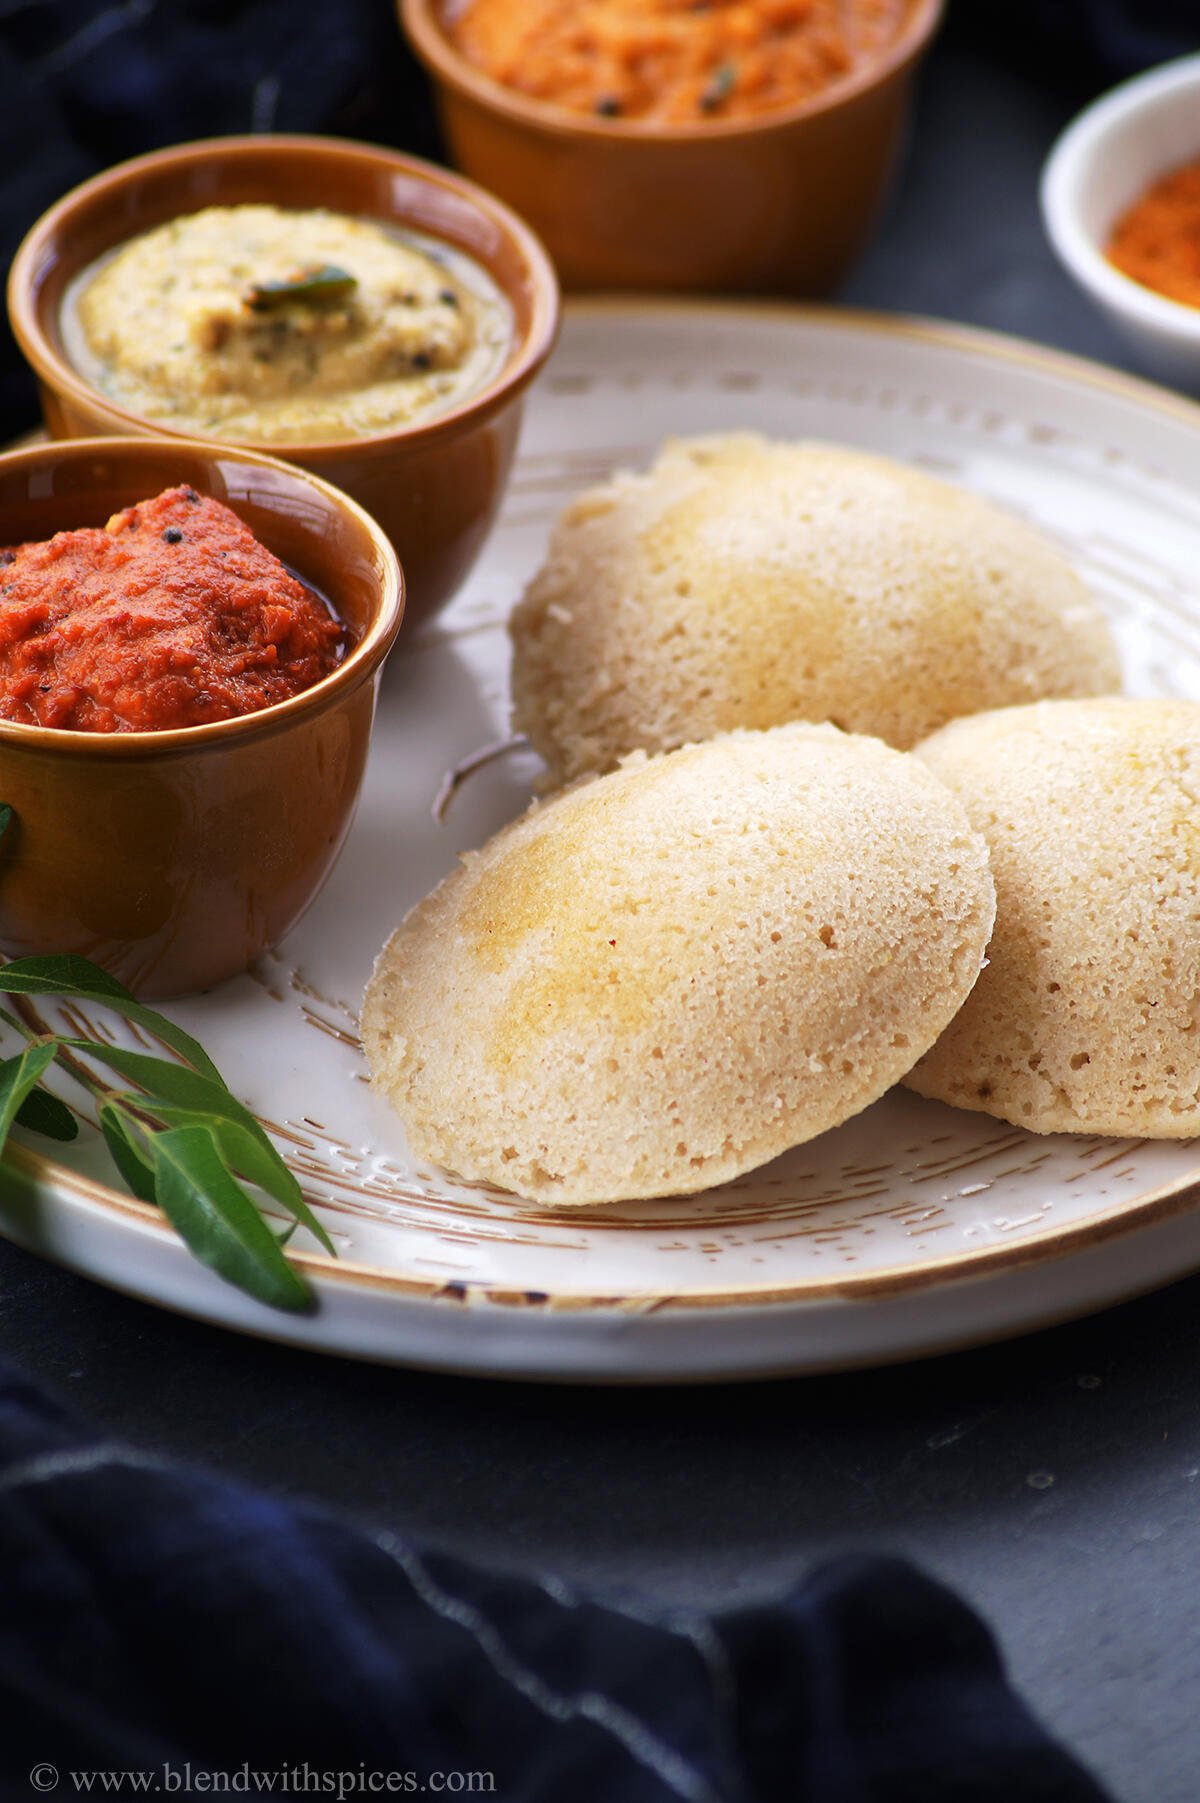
x: 744, y: 583
x: 667, y: 975
x: 1087, y: 1018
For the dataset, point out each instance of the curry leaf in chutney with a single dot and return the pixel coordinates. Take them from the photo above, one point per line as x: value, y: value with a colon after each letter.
x: 322, y: 286
x: 724, y: 80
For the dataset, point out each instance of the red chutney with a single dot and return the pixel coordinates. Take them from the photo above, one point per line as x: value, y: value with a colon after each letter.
x: 673, y: 61
x: 171, y: 615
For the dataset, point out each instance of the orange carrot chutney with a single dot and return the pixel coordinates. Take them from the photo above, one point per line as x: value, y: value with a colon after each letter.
x: 672, y: 61
x: 171, y: 615
x: 1156, y: 241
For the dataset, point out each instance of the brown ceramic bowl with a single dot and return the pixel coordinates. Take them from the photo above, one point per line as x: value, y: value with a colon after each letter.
x: 434, y: 486
x: 174, y: 858
x: 779, y: 203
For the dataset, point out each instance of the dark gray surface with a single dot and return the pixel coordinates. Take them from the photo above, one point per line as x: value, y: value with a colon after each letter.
x: 1055, y: 1481
x: 963, y: 237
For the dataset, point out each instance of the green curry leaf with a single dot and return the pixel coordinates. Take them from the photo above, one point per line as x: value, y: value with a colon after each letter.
x: 43, y: 1112
x: 18, y: 1077
x: 321, y: 285
x: 122, y: 1137
x: 216, y: 1218
x: 178, y: 1096
x: 84, y: 981
x: 181, y: 1139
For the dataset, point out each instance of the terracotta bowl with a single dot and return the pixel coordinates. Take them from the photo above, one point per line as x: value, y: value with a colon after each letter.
x: 175, y: 858
x: 435, y: 486
x: 780, y: 203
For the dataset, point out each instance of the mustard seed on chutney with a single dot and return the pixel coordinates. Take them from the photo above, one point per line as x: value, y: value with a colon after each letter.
x: 672, y: 61
x: 172, y: 614
x: 1156, y: 241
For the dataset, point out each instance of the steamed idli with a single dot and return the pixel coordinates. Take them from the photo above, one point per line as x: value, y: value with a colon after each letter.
x: 1087, y: 1018
x: 742, y: 583
x: 667, y: 975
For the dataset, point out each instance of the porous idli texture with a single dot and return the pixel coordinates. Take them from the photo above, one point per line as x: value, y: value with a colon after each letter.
x: 665, y: 976
x: 744, y: 583
x: 1087, y: 1018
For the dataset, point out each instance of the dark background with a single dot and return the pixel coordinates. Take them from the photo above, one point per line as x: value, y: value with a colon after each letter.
x: 1056, y: 1480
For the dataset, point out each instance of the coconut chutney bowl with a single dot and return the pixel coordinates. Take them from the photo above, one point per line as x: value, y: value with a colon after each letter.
x: 175, y: 857
x: 433, y: 480
x: 777, y: 201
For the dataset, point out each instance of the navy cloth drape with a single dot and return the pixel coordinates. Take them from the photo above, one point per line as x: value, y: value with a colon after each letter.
x: 167, y: 1624
x: 86, y: 83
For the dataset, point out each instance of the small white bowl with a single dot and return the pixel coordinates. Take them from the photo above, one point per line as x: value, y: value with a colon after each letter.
x: 1100, y: 165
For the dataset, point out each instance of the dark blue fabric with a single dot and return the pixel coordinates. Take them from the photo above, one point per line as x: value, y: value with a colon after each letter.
x: 154, y: 1619
x: 1079, y: 46
x: 86, y: 83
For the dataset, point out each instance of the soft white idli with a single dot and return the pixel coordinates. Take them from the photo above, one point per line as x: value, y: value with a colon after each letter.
x: 666, y: 976
x: 744, y: 583
x: 1087, y: 1018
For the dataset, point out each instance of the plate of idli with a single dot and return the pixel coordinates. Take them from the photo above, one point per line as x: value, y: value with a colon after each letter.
x: 769, y: 940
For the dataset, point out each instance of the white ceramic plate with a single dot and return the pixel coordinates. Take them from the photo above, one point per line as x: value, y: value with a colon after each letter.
x: 912, y: 1229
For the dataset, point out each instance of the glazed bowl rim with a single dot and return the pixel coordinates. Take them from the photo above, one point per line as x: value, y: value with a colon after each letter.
x: 1070, y: 158
x: 434, y: 48
x: 358, y: 666
x: 529, y: 351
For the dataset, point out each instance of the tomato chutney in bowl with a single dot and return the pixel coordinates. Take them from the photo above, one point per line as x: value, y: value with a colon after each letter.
x: 187, y: 686
x: 172, y: 614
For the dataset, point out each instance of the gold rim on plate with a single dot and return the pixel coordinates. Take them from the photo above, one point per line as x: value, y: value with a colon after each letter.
x: 1132, y: 1215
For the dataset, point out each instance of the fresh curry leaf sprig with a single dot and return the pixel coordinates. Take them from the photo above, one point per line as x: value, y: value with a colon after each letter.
x: 177, y: 1135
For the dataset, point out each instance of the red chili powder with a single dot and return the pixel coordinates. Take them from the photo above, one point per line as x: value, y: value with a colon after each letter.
x: 1156, y: 241
x: 171, y: 615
